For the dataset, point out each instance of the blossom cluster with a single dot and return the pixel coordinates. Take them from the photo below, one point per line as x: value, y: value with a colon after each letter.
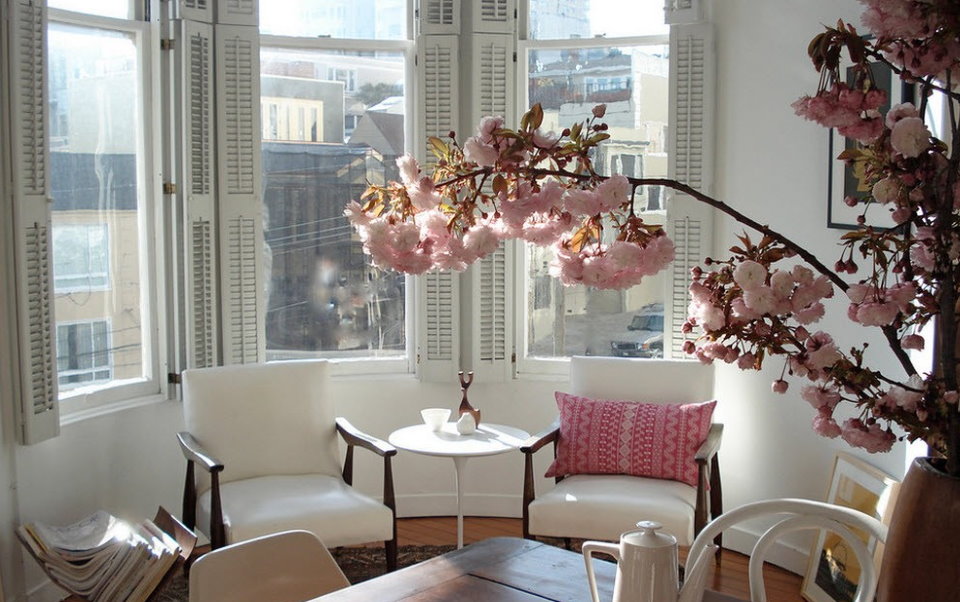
x: 501, y: 184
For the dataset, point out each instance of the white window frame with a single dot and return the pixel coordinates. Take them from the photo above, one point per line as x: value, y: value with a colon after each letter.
x: 526, y: 366
x: 146, y: 37
x: 406, y: 47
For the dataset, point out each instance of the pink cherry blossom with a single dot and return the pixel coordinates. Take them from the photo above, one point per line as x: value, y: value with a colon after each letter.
x: 779, y: 386
x: 476, y: 151
x: 581, y: 201
x: 910, y: 137
x: 824, y: 424
x: 760, y: 299
x: 810, y: 314
x: 912, y: 341
x: 750, y: 275
x: 886, y: 190
x: 820, y: 396
x: 900, y: 111
x: 821, y: 351
x: 613, y: 192
x: 409, y: 170
x: 871, y: 438
x: 423, y: 194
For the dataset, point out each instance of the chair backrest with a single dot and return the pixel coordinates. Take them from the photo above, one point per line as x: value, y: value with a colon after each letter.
x: 646, y: 380
x: 263, y: 419
x: 791, y: 515
x: 290, y: 566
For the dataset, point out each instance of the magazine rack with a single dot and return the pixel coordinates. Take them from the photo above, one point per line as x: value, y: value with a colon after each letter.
x: 184, y: 537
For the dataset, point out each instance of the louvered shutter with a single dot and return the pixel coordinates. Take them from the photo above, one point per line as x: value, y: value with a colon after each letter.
x: 438, y: 301
x: 438, y: 293
x: 38, y: 411
x: 493, y: 16
x: 439, y: 16
x: 490, y: 317
x: 494, y: 77
x: 195, y: 54
x: 683, y: 11
x: 195, y: 10
x: 692, y: 93
x: 240, y: 214
x: 237, y: 12
x: 437, y: 73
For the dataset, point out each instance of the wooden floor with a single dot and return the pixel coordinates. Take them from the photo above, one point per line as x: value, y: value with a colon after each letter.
x: 782, y: 586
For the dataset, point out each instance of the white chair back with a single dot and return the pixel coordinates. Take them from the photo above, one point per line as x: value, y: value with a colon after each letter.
x: 263, y: 419
x: 290, y: 566
x: 646, y: 380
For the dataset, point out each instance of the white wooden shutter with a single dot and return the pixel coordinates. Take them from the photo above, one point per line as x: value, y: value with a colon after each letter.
x: 438, y: 302
x: 195, y: 10
x: 438, y: 293
x: 240, y: 213
x: 490, y: 317
x: 437, y: 111
x: 494, y: 16
x: 196, y: 56
x: 493, y: 75
x: 38, y: 411
x: 439, y: 16
x: 690, y: 223
x: 237, y: 12
x: 683, y: 11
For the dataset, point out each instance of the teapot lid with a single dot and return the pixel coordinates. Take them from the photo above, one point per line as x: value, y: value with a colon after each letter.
x: 646, y: 536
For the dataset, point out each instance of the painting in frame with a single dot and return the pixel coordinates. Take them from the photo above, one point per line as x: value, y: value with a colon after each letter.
x: 845, y: 180
x: 833, y: 571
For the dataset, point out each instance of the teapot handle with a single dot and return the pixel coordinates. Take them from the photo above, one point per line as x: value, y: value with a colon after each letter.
x: 588, y: 548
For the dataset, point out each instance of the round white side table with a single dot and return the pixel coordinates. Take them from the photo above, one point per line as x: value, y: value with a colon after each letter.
x: 487, y: 440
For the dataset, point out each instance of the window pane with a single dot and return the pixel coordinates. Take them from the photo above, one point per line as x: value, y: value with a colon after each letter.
x: 565, y: 19
x: 633, y: 83
x: 332, y: 122
x: 95, y: 151
x: 119, y: 9
x: 360, y: 19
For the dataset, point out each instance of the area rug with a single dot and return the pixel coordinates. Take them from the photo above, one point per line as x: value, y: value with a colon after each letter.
x: 358, y: 564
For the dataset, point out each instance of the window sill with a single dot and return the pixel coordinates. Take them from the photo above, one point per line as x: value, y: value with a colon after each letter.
x: 83, y: 414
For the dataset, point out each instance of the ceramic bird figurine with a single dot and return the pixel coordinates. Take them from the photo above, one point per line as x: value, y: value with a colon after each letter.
x: 466, y: 425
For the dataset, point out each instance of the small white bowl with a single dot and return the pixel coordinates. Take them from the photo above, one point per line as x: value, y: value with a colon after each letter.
x: 435, y: 418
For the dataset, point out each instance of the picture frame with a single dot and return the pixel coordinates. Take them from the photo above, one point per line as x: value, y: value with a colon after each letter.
x: 842, y: 179
x: 832, y: 570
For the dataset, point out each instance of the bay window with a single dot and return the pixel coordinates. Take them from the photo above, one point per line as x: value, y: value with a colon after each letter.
x: 280, y: 113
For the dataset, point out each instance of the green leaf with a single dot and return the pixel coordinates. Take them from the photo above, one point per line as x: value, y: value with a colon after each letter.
x: 438, y: 147
x: 536, y: 116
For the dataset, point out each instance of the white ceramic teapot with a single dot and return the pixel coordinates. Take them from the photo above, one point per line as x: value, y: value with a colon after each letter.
x: 647, y: 567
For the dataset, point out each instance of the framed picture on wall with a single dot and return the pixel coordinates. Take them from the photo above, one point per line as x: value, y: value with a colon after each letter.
x: 833, y: 571
x: 846, y: 180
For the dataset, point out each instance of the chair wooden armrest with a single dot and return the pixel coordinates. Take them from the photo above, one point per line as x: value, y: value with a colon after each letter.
x: 195, y: 454
x: 354, y: 437
x: 535, y: 442
x: 709, y: 486
x: 530, y: 447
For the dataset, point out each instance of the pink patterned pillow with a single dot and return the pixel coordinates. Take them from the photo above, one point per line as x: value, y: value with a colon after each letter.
x: 626, y: 437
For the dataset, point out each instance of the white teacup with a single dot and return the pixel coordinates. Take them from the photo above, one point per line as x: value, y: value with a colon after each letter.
x: 435, y: 418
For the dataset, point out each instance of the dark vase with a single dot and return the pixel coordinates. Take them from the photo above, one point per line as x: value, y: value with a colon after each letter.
x: 919, y: 559
x: 465, y: 407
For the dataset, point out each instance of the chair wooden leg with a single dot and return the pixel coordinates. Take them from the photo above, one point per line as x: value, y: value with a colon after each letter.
x: 390, y: 547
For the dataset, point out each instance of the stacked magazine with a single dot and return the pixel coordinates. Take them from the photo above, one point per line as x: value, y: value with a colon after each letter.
x: 103, y: 558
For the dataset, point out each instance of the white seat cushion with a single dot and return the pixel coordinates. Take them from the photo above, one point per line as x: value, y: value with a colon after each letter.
x: 604, y: 506
x: 323, y: 505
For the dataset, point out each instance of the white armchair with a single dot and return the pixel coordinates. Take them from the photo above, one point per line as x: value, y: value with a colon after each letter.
x: 265, y: 438
x: 602, y: 506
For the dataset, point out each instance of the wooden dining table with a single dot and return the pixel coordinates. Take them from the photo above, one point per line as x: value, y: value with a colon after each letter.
x: 501, y: 569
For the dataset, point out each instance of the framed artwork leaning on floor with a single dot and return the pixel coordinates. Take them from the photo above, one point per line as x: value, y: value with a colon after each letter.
x: 833, y: 571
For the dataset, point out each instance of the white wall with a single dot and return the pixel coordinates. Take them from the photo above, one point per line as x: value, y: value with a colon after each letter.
x: 770, y: 164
